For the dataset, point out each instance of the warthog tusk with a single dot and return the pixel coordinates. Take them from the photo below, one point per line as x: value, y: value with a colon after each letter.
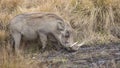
x: 81, y: 44
x: 74, y: 44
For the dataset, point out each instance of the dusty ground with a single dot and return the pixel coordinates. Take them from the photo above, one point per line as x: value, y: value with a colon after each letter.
x: 98, y: 56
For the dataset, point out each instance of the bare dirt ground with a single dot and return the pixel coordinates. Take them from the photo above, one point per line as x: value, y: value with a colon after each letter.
x: 98, y: 56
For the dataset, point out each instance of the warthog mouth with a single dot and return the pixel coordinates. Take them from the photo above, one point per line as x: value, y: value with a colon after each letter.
x: 75, y: 46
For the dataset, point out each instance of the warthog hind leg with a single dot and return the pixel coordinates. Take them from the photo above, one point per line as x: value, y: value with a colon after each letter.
x: 17, y: 38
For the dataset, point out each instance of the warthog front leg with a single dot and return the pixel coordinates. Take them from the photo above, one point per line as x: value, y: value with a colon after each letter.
x: 43, y: 39
x: 17, y: 37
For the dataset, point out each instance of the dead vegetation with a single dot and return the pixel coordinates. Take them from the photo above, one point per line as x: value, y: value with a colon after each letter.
x: 90, y: 18
x: 97, y: 21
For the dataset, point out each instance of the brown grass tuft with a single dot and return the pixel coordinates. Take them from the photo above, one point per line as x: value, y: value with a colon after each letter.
x: 92, y: 19
x: 9, y: 60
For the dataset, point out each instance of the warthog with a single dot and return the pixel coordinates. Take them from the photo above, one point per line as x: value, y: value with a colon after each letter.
x: 39, y: 25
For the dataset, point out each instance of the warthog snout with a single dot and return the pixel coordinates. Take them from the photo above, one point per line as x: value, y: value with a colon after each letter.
x: 75, y: 46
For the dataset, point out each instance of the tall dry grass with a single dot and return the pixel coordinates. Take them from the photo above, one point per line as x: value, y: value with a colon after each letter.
x: 20, y: 60
x: 92, y: 19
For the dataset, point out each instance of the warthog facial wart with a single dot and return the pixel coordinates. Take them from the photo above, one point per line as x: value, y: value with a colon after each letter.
x: 39, y: 25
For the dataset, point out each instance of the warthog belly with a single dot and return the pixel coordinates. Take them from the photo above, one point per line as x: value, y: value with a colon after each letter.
x: 29, y: 33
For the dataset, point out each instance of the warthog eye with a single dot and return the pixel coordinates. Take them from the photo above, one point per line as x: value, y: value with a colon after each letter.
x: 60, y: 26
x: 67, y: 35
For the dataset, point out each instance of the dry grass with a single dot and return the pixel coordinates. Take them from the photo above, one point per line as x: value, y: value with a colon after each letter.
x: 10, y: 60
x: 92, y: 19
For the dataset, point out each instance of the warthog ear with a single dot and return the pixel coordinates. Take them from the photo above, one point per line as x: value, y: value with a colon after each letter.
x: 60, y: 26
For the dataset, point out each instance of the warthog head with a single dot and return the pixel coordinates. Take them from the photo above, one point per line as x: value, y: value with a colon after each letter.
x: 67, y: 37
